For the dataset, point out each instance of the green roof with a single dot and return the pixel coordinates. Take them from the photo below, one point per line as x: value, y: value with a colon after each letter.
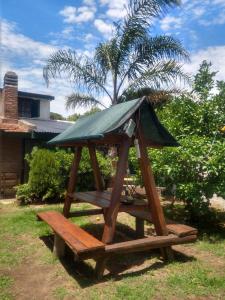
x: 112, y: 120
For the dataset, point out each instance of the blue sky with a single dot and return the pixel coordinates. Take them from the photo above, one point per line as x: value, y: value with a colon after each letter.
x: 32, y: 30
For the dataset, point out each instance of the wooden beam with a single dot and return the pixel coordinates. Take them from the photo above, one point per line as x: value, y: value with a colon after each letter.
x: 113, y: 209
x: 95, y: 167
x: 59, y: 246
x: 72, y: 181
x: 139, y: 226
x: 152, y: 242
x: 86, y: 212
x: 108, y: 139
x: 150, y: 187
x: 144, y: 244
x: 111, y: 213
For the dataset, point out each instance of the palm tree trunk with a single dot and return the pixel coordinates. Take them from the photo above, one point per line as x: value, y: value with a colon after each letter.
x: 114, y: 89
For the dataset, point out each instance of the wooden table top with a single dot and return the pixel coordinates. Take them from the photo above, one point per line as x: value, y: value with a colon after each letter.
x: 102, y: 199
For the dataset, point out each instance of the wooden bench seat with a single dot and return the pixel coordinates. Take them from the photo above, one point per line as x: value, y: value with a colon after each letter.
x: 75, y: 237
x: 179, y: 230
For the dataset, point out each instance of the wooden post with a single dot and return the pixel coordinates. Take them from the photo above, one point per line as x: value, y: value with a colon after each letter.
x: 150, y: 188
x: 59, y: 246
x: 112, y: 211
x: 152, y: 194
x: 72, y: 182
x: 139, y: 224
x: 95, y: 167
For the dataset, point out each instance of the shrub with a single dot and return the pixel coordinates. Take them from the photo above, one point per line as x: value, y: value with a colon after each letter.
x: 49, y: 174
x: 192, y: 172
x: 23, y: 193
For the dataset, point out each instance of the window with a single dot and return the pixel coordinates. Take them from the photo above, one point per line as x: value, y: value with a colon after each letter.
x: 28, y: 108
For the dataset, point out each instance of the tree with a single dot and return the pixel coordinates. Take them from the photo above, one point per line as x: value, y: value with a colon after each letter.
x: 133, y: 61
x: 56, y: 116
x: 204, y: 80
x: 75, y: 116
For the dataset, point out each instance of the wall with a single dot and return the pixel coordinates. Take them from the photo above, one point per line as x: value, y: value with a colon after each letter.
x: 44, y: 109
x: 11, y: 162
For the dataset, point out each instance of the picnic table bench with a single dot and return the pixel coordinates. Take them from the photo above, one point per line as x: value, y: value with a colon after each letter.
x: 85, y: 245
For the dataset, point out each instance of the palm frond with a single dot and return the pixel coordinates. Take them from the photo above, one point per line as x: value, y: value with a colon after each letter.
x: 135, y: 25
x: 106, y: 55
x: 83, y: 71
x: 159, y: 76
x: 76, y: 100
x: 155, y: 97
x: 151, y: 51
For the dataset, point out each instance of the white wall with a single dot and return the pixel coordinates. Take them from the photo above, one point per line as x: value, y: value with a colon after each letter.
x: 45, y: 109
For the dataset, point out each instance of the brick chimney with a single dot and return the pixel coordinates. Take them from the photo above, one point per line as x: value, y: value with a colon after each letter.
x: 10, y: 96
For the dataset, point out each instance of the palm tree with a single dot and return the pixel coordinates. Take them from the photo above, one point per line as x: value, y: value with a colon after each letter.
x: 131, y: 63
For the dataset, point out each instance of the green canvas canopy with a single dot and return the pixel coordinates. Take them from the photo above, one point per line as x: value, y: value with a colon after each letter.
x: 112, y: 121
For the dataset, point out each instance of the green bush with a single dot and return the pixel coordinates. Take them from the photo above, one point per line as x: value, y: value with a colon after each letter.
x: 192, y: 172
x: 23, y: 193
x: 49, y: 174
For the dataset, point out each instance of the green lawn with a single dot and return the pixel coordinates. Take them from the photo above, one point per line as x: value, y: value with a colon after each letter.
x: 29, y: 270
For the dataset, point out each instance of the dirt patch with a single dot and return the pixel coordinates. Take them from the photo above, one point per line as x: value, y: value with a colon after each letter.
x: 32, y: 281
x: 204, y: 256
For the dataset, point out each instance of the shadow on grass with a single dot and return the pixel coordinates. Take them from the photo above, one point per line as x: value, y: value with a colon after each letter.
x: 134, y: 264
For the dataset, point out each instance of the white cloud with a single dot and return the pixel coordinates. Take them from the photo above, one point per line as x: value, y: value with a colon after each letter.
x: 67, y: 34
x: 214, y: 54
x: 73, y: 15
x: 116, y: 9
x: 105, y: 28
x: 199, y: 11
x: 218, y: 20
x: 17, y: 43
x: 219, y: 2
x: 206, y: 13
x: 170, y: 22
x: 89, y: 37
x: 27, y: 57
x: 89, y: 2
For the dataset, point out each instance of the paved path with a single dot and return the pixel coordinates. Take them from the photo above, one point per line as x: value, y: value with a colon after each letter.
x: 7, y: 201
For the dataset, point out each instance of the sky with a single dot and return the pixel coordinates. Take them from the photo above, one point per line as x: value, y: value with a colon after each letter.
x: 32, y: 30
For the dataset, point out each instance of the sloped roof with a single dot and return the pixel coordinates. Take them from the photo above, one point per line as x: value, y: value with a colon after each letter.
x: 48, y: 126
x: 12, y: 127
x: 112, y: 120
x: 34, y: 125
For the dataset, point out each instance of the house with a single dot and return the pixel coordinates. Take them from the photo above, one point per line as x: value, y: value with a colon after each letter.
x: 24, y: 123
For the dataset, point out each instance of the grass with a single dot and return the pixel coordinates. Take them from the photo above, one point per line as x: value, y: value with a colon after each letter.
x: 132, y: 289
x: 5, y: 284
x: 28, y: 265
x: 60, y: 293
x: 196, y: 280
x: 213, y: 244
